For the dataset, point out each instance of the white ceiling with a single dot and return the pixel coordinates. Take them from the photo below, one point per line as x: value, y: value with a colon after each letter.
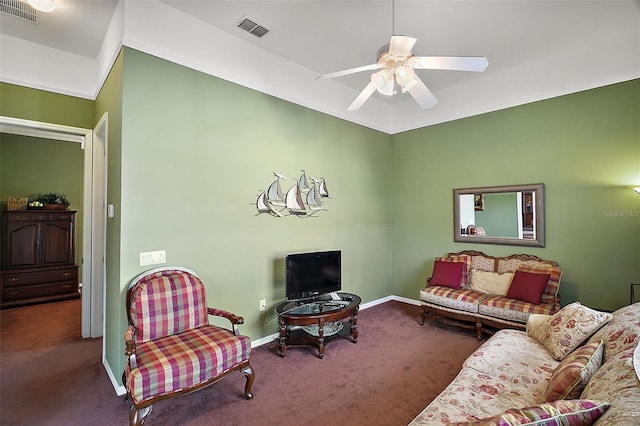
x: 74, y: 26
x: 536, y: 49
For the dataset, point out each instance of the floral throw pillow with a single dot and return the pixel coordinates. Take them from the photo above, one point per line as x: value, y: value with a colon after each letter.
x: 565, y: 330
x: 575, y: 412
x: 574, y: 372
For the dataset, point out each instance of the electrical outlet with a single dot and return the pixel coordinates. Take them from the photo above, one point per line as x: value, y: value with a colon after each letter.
x: 263, y: 305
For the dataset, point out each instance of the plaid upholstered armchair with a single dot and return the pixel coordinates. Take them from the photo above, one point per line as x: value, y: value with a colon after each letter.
x: 171, y: 348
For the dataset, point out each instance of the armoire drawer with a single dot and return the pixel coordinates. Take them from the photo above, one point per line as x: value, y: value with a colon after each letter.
x: 13, y: 279
x: 18, y: 293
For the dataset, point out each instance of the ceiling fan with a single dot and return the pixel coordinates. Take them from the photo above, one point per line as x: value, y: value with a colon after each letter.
x: 397, y: 64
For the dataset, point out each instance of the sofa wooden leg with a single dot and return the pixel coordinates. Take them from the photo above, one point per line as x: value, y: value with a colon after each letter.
x: 138, y: 416
x: 479, y: 329
x: 251, y: 376
x: 424, y: 317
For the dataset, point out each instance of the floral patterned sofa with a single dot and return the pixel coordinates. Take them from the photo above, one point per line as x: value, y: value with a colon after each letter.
x: 576, y: 367
x: 474, y: 290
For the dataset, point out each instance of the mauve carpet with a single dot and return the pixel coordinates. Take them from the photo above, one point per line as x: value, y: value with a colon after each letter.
x: 50, y: 376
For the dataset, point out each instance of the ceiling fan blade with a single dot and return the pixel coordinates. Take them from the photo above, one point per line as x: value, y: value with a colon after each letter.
x: 422, y: 95
x: 400, y: 46
x: 349, y: 71
x: 456, y: 63
x: 362, y: 97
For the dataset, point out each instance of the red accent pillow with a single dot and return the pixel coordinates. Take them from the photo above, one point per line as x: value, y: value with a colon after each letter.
x: 466, y: 268
x: 527, y: 286
x: 448, y: 274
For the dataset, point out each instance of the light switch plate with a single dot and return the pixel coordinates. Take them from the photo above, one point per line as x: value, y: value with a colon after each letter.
x: 153, y: 258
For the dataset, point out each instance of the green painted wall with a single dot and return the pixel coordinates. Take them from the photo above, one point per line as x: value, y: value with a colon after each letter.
x: 188, y: 154
x: 28, y: 165
x: 584, y: 147
x: 109, y: 101
x: 48, y: 107
x: 31, y: 166
x: 196, y: 150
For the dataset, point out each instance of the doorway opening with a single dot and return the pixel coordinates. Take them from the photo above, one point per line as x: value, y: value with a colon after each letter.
x: 94, y: 144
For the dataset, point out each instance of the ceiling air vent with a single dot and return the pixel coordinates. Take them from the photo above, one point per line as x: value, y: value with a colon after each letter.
x: 251, y: 27
x: 19, y: 9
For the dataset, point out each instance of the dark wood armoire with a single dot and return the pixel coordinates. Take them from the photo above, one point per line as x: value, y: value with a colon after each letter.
x: 38, y: 257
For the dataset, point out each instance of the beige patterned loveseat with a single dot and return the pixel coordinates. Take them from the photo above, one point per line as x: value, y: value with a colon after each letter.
x: 566, y: 369
x: 481, y: 300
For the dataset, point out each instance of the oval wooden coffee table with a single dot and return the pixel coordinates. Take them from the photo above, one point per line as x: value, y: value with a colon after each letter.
x: 318, y: 322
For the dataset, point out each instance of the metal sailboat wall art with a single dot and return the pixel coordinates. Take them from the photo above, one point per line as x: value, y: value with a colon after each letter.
x: 301, y: 199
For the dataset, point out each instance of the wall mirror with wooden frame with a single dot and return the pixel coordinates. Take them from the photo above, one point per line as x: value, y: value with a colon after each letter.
x: 509, y: 215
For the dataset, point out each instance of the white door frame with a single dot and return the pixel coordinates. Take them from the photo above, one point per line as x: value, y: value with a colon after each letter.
x: 92, y: 313
x: 98, y: 226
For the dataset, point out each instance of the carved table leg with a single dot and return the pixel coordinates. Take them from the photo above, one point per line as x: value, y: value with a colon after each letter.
x: 321, y: 338
x: 282, y: 345
x: 353, y: 321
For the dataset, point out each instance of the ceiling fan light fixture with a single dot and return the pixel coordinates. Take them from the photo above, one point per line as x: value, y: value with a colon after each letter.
x: 383, y: 82
x: 406, y: 77
x: 43, y: 5
x: 389, y: 88
x: 397, y: 65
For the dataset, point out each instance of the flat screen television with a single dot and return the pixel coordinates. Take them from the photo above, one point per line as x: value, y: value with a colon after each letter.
x: 312, y: 274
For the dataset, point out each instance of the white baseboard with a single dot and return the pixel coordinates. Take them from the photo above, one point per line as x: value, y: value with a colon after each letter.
x: 264, y: 340
x: 119, y: 388
x: 406, y: 300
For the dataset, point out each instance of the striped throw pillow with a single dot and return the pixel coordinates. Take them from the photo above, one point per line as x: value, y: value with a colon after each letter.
x: 563, y: 412
x: 574, y: 372
x: 550, y: 294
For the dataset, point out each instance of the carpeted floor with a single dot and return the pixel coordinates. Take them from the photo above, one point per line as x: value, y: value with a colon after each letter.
x: 50, y: 376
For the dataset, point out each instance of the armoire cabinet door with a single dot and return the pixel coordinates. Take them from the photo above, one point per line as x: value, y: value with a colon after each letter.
x: 22, y: 245
x: 56, y: 241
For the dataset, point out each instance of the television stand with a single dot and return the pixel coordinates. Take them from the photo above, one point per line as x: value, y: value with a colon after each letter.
x: 317, y: 322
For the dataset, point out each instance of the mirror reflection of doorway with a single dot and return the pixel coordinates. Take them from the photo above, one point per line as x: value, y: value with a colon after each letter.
x: 527, y: 214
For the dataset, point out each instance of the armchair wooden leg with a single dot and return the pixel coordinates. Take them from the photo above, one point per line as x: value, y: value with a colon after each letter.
x: 124, y: 383
x: 138, y: 416
x: 251, y: 376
